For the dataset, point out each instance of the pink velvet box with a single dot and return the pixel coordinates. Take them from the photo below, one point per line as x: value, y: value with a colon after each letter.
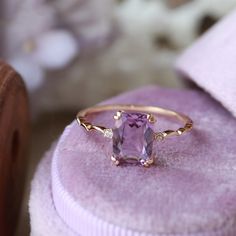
x: 191, y: 191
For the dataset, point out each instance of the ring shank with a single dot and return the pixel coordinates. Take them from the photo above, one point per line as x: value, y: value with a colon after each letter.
x: 82, y: 115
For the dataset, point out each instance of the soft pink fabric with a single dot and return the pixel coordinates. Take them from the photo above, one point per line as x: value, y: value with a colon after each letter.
x: 211, y: 62
x: 191, y: 190
x: 44, y: 220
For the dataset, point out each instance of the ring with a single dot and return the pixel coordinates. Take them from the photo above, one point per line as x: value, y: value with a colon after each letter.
x: 133, y: 134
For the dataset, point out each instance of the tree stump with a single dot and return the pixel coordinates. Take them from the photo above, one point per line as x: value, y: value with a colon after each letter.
x: 14, y: 137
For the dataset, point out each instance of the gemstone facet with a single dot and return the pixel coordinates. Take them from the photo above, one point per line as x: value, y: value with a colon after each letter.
x: 133, y: 139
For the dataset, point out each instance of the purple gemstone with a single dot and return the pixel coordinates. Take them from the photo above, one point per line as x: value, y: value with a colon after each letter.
x: 133, y: 138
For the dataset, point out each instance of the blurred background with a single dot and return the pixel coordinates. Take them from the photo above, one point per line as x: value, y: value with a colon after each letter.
x: 75, y: 53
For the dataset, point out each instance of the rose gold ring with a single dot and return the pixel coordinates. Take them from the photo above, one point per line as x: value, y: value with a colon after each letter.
x: 133, y: 134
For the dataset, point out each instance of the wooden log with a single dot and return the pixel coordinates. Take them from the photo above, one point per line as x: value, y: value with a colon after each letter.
x: 14, y: 137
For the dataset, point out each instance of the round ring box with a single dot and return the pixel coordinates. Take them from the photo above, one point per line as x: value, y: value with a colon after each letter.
x: 191, y: 191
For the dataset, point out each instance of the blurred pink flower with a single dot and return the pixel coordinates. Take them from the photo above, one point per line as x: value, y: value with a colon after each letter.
x: 32, y: 42
x: 52, y: 50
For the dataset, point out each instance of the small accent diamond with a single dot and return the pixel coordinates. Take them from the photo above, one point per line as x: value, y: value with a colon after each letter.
x: 159, y: 136
x: 108, y: 133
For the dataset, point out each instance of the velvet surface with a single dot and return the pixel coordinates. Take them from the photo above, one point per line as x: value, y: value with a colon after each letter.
x: 44, y: 220
x: 210, y: 62
x: 190, y: 191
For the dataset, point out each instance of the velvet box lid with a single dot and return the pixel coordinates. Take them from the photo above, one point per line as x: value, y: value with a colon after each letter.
x: 211, y: 62
x: 191, y: 191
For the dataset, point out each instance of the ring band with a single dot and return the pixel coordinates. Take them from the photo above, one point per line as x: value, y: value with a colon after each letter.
x: 134, y: 135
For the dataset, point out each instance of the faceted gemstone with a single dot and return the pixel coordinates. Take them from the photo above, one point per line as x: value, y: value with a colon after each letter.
x: 133, y: 138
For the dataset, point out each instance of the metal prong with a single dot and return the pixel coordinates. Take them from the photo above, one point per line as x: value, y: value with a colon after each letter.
x: 114, y: 160
x: 151, y: 118
x: 80, y: 120
x: 118, y: 115
x: 147, y: 163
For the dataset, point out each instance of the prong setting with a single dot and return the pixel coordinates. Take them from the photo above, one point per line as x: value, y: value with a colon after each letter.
x: 118, y: 115
x: 146, y: 163
x: 151, y: 118
x: 115, y: 160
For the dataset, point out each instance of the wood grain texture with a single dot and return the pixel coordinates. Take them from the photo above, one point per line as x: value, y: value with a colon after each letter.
x: 14, y: 136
